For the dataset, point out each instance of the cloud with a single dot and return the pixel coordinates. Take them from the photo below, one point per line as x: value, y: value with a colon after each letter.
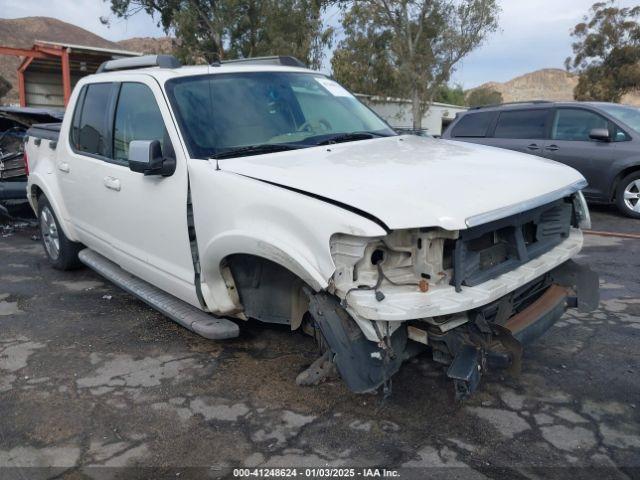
x: 533, y: 34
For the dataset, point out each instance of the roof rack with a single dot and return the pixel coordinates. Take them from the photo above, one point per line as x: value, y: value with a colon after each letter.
x: 285, y: 60
x: 524, y: 102
x: 162, y: 61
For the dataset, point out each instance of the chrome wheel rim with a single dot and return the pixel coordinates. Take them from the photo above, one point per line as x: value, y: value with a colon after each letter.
x: 49, y: 232
x: 632, y: 196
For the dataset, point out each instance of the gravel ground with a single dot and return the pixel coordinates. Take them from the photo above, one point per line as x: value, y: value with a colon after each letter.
x: 94, y: 384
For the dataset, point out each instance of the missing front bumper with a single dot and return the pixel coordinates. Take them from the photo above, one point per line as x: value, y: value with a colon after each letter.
x: 492, y: 336
x: 568, y: 286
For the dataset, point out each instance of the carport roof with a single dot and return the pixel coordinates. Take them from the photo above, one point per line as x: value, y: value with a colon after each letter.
x: 87, y: 48
x: 83, y: 59
x: 71, y: 60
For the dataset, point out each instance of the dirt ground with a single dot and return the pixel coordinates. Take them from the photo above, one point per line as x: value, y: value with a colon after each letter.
x: 94, y: 384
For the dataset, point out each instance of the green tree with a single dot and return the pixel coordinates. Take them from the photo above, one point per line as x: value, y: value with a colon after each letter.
x: 483, y: 96
x: 5, y: 86
x: 409, y: 48
x: 293, y: 27
x: 451, y: 95
x: 362, y: 61
x: 217, y: 29
x: 606, y: 52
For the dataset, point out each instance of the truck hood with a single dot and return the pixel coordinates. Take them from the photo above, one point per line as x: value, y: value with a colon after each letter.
x: 409, y: 181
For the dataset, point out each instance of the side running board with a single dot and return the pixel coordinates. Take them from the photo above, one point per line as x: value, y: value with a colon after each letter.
x: 188, y: 316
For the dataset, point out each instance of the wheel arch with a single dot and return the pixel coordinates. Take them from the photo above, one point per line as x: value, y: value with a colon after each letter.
x: 266, y: 290
x: 37, y: 189
x: 218, y: 286
x: 627, y: 170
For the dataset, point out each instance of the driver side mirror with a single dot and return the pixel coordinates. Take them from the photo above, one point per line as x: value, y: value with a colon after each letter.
x: 600, y: 135
x: 145, y: 156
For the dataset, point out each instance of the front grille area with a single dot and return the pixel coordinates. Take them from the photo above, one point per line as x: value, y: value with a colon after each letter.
x: 518, y: 300
x: 487, y: 251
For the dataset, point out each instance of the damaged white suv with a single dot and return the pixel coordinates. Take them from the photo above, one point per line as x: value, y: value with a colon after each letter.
x: 260, y: 189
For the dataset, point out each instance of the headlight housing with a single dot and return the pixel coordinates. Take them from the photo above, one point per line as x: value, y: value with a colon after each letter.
x: 405, y: 256
x: 581, y: 210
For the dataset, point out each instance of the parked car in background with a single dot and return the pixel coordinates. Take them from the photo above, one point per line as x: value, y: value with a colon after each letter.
x: 260, y: 189
x: 600, y: 140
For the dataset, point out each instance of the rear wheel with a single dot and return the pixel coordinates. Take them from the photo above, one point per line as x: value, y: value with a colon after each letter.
x: 628, y: 195
x: 61, y: 252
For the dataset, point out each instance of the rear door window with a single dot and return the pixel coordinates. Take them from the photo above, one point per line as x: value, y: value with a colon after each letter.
x: 93, y: 133
x: 522, y: 124
x: 575, y: 124
x: 473, y: 125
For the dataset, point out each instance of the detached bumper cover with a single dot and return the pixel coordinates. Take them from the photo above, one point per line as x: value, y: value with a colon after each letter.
x: 531, y: 323
x: 573, y: 285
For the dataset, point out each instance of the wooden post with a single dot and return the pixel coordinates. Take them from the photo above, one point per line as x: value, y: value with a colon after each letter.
x: 28, y: 55
x: 22, y: 89
x: 22, y: 94
x: 66, y: 76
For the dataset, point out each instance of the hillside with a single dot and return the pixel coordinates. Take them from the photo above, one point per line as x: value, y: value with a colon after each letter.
x: 547, y: 84
x: 22, y: 32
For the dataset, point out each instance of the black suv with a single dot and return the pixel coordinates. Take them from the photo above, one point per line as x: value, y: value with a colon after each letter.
x: 600, y: 140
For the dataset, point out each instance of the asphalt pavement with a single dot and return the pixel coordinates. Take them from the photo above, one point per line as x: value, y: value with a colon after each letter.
x: 94, y: 384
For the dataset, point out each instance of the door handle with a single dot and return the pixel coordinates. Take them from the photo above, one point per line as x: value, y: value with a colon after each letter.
x: 63, y: 167
x: 533, y: 146
x: 112, y: 183
x: 552, y: 148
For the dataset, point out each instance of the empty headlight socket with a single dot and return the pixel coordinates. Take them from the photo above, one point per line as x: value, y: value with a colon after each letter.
x: 377, y: 256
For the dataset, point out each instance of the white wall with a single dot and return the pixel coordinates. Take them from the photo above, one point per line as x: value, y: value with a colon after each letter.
x: 397, y: 112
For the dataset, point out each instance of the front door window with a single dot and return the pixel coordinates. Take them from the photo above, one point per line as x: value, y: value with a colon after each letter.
x: 137, y: 118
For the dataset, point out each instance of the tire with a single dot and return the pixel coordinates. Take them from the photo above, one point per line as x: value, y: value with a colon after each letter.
x: 628, y: 195
x: 61, y: 252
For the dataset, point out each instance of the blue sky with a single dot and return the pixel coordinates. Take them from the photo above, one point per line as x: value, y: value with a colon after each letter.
x: 533, y: 34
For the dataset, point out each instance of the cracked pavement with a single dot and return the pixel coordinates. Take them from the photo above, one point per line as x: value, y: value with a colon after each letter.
x: 92, y: 380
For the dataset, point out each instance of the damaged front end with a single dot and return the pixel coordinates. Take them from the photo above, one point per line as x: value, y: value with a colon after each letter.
x: 472, y: 297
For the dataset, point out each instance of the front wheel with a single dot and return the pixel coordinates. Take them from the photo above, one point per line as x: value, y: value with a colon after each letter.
x: 61, y: 252
x: 628, y: 195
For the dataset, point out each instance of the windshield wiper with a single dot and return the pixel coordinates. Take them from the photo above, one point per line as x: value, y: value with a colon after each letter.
x: 256, y: 150
x: 349, y: 137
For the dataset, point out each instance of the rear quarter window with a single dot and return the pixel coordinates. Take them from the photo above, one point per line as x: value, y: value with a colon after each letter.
x: 473, y: 125
x: 522, y: 124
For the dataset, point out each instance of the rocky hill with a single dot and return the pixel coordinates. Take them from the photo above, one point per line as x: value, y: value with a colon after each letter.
x: 547, y: 84
x: 162, y: 45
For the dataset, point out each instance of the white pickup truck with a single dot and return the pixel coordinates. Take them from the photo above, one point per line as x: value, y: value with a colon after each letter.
x: 261, y: 189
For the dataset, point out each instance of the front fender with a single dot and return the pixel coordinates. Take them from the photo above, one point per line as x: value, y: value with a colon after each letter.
x: 239, y: 215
